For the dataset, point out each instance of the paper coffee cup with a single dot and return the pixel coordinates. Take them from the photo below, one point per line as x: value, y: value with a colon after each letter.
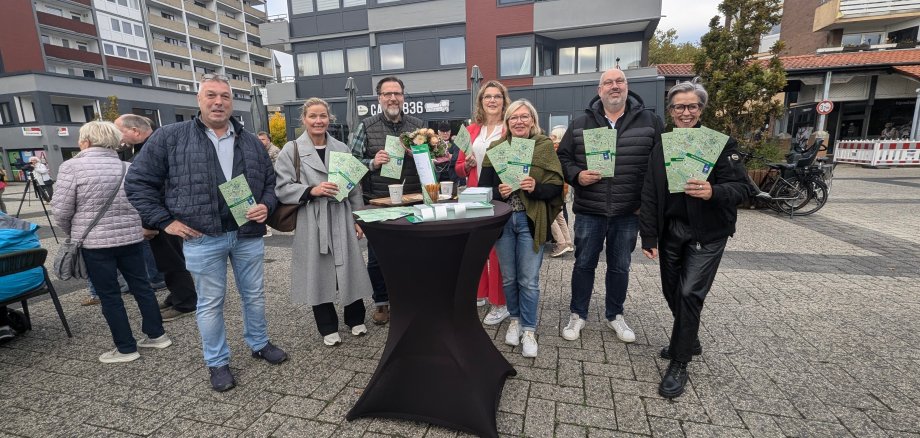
x: 396, y: 193
x: 447, y: 188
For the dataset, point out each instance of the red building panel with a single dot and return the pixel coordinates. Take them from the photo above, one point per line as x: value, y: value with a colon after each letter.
x: 127, y: 65
x: 66, y: 23
x: 485, y: 23
x: 72, y: 54
x: 20, y: 46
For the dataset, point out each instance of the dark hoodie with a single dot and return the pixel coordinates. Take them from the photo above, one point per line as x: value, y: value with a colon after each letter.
x: 638, y: 131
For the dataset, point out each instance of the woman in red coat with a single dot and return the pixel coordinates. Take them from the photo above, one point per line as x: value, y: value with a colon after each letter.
x: 488, y: 126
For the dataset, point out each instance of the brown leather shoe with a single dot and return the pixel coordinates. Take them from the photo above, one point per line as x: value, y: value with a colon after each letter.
x: 381, y: 315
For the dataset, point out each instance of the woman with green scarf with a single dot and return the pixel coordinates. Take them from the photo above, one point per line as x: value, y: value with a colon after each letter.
x: 534, y: 207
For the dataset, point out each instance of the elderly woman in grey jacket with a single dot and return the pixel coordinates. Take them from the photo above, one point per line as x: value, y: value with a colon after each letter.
x: 326, y: 259
x: 85, y: 185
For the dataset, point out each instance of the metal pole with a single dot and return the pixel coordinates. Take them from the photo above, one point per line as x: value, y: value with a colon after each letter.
x: 913, y: 126
x: 822, y: 119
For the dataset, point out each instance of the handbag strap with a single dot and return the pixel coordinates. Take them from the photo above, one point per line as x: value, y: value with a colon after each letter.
x: 105, y: 208
x: 296, y: 161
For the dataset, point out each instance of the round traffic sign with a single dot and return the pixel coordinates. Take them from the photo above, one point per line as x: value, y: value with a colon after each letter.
x: 825, y: 107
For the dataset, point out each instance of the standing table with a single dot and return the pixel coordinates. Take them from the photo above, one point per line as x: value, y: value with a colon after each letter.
x: 439, y: 366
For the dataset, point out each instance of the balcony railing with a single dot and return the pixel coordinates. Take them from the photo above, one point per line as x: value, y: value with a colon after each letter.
x: 158, y: 21
x: 260, y: 51
x: 172, y: 49
x: 191, y: 7
x: 264, y: 71
x: 175, y: 73
x: 234, y: 64
x: 72, y: 54
x: 202, y: 34
x: 254, y: 12
x: 210, y: 58
x: 235, y: 4
x: 177, y: 4
x: 236, y: 44
x: 254, y: 30
x: 833, y: 13
x: 47, y: 19
x: 242, y: 85
x: 230, y: 22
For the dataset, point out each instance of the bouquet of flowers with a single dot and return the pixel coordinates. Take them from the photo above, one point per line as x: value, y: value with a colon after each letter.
x: 427, y: 136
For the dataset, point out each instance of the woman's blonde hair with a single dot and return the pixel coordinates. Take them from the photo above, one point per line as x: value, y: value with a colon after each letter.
x: 479, y: 116
x: 316, y: 101
x: 101, y: 134
x: 517, y: 104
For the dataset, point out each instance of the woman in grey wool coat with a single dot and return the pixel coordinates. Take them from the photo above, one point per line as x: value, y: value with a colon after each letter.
x: 326, y: 259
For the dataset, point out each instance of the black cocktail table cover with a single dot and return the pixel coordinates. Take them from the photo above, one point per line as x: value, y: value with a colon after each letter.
x: 439, y: 365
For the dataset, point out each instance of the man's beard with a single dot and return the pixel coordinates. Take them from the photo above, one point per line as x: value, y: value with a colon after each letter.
x: 392, y: 112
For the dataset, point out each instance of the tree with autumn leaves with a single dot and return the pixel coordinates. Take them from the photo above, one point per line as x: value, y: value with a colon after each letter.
x: 277, y: 129
x: 741, y: 88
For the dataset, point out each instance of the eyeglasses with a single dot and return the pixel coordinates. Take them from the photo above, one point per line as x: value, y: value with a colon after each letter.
x: 214, y: 77
x: 693, y: 108
x: 609, y: 83
x: 492, y: 97
x: 521, y: 118
x: 392, y: 94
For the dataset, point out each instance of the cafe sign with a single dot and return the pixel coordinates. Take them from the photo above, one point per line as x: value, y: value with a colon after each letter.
x: 33, y: 131
x: 63, y: 132
x: 417, y: 107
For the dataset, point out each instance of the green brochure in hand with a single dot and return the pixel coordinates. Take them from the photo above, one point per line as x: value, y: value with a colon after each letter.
x: 499, y: 156
x: 601, y: 150
x: 238, y: 197
x: 345, y: 171
x: 397, y: 153
x: 512, y: 160
x: 462, y: 140
x: 690, y: 153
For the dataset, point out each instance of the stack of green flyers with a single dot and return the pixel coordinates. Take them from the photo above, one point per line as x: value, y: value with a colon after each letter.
x: 512, y: 160
x: 601, y: 150
x: 690, y: 153
x: 396, y: 151
x: 346, y: 171
x: 383, y: 214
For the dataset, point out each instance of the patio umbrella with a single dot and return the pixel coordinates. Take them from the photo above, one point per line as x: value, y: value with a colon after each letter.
x: 475, y: 78
x: 258, y: 111
x: 351, y: 109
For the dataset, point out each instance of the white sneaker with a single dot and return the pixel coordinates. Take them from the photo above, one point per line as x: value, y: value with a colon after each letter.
x: 625, y: 333
x: 115, y: 356
x: 530, y: 344
x: 481, y: 302
x: 496, y: 315
x: 161, y: 342
x: 572, y: 331
x: 513, y: 335
x: 332, y: 339
x: 561, y: 251
x: 359, y: 330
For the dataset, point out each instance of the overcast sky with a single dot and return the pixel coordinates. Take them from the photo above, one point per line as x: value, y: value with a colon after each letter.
x: 691, y: 22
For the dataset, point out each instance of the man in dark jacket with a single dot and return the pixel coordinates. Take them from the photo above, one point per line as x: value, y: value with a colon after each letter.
x: 606, y: 208
x: 367, y: 145
x: 173, y: 184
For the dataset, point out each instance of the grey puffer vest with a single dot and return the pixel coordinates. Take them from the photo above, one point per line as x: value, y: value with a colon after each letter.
x: 377, y: 128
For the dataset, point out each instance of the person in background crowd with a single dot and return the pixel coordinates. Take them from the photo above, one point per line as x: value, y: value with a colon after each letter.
x: 560, y: 227
x: 606, y: 209
x: 367, y: 145
x: 174, y: 185
x: 85, y: 185
x: 454, y: 151
x: 272, y: 150
x: 488, y: 126
x: 16, y: 235
x: 331, y: 264
x: 164, y: 249
x: 43, y: 175
x: 688, y: 231
x: 534, y: 206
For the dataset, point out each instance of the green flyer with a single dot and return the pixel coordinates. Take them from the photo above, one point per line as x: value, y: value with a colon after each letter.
x: 600, y: 150
x: 238, y: 197
x: 397, y: 153
x: 345, y: 171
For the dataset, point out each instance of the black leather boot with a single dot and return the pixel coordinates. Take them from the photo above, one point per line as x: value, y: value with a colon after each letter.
x: 666, y: 351
x: 674, y: 380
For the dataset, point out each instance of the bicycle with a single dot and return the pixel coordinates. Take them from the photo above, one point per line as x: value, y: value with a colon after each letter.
x: 796, y: 188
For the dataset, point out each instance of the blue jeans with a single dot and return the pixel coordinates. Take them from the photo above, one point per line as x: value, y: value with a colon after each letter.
x: 206, y: 258
x: 591, y: 230
x: 102, y: 265
x: 520, y: 270
x: 153, y: 274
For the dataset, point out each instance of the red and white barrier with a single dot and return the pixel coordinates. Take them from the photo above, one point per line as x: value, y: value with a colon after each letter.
x: 878, y: 152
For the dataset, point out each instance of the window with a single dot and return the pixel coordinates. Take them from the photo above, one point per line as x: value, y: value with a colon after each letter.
x: 180, y: 118
x: 137, y: 81
x: 558, y: 120
x: 138, y: 31
x: 350, y: 3
x: 235, y: 57
x: 262, y: 63
x: 333, y: 63
x: 203, y: 26
x: 54, y: 11
x: 89, y: 74
x: 132, y: 53
x: 359, y: 59
x: 143, y: 56
x: 301, y: 7
x: 89, y: 113
x: 116, y: 25
x: 126, y: 27
x: 167, y: 16
x: 5, y: 115
x: 65, y: 43
x: 546, y: 60
x: 201, y: 5
x: 46, y: 39
x: 82, y: 46
x: 108, y: 49
x: 75, y: 17
x: 855, y: 39
x: 230, y: 14
x: 587, y: 59
x: 123, y: 2
x: 630, y: 55
x: 391, y: 56
x: 515, y: 61
x: 325, y: 5
x: 122, y: 51
x: 567, y: 61
x: 61, y: 113
x: 236, y: 77
x: 307, y: 64
x: 453, y: 51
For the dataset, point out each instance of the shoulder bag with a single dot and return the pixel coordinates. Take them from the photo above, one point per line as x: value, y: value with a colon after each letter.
x: 68, y: 262
x: 285, y: 216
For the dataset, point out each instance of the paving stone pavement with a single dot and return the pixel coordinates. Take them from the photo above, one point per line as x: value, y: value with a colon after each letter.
x: 811, y: 329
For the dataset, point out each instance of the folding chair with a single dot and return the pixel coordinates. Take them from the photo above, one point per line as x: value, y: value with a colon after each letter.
x: 19, y: 261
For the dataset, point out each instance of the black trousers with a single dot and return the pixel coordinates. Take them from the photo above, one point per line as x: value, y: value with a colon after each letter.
x: 379, y: 286
x: 327, y: 321
x: 687, y: 272
x: 167, y: 251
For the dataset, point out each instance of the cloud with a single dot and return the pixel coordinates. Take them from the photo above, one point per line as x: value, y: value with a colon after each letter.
x: 691, y: 22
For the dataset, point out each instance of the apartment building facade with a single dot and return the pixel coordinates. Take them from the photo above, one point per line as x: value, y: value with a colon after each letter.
x: 551, y: 52
x: 60, y: 60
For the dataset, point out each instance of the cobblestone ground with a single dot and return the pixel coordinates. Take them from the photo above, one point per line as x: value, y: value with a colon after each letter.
x: 811, y: 329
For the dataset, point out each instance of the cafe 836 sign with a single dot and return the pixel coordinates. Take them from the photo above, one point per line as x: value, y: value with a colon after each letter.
x: 413, y: 107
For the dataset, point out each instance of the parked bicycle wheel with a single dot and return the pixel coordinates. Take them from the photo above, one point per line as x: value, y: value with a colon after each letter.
x: 788, y: 196
x: 817, y: 197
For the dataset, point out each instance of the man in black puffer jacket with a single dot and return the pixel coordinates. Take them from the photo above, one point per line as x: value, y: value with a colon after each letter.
x: 173, y: 184
x: 607, y: 208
